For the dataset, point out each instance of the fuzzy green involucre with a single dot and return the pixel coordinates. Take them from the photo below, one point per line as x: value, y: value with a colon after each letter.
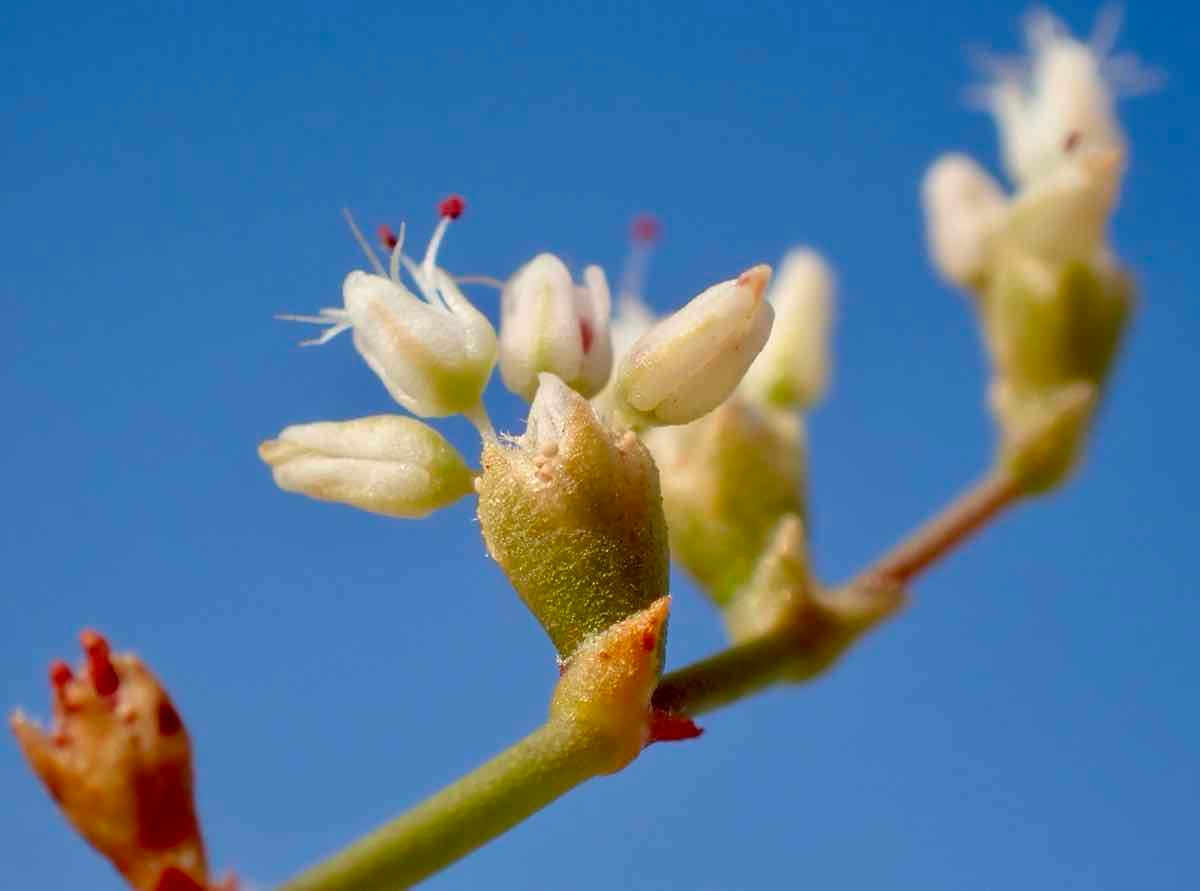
x: 573, y: 514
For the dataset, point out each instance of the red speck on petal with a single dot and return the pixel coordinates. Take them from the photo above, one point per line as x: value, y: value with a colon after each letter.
x: 100, y: 668
x: 586, y: 335
x: 60, y: 674
x: 387, y: 236
x: 666, y: 727
x: 175, y: 879
x: 645, y: 229
x: 452, y: 207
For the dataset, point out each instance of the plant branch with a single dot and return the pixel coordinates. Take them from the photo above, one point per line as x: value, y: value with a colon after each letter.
x: 559, y: 756
x: 487, y: 802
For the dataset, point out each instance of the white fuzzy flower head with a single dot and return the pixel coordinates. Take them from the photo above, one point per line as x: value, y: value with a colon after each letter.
x: 550, y: 324
x: 793, y: 368
x: 386, y: 464
x: 433, y: 352
x: 963, y: 207
x: 1060, y: 104
x: 690, y: 362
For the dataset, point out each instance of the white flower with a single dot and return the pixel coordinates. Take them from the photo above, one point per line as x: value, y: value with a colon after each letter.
x: 385, y: 464
x: 434, y: 353
x: 548, y: 323
x: 793, y: 368
x: 687, y: 364
x: 1060, y: 104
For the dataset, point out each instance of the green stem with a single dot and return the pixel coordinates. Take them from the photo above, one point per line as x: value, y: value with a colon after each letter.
x: 559, y: 756
x: 490, y: 800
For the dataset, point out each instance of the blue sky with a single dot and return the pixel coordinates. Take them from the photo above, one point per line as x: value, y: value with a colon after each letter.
x: 173, y: 176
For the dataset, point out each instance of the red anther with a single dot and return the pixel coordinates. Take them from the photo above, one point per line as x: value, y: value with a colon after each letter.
x: 100, y: 668
x: 175, y: 879
x: 645, y: 229
x: 452, y: 207
x: 666, y: 727
x: 586, y: 335
x: 387, y: 236
x: 60, y: 674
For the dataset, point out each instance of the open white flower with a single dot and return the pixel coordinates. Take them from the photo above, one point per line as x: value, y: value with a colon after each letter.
x: 550, y: 324
x: 688, y: 363
x: 793, y: 368
x: 1060, y: 104
x: 385, y: 464
x: 435, y: 352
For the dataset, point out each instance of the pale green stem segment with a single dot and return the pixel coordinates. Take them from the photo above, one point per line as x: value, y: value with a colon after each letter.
x: 559, y: 755
x: 487, y: 802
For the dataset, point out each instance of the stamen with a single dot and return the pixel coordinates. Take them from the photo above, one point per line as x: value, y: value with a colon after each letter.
x: 363, y: 243
x: 387, y: 236
x: 100, y: 668
x: 490, y: 280
x: 337, y: 319
x: 397, y: 247
x: 451, y: 209
x: 644, y: 232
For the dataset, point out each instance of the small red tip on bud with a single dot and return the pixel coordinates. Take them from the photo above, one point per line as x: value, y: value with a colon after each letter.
x: 646, y: 229
x: 666, y: 727
x: 452, y: 207
x: 387, y: 236
x: 60, y: 674
x: 100, y: 668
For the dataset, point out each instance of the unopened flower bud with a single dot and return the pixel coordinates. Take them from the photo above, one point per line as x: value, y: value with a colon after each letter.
x: 690, y: 362
x: 550, y: 324
x: 727, y: 480
x: 572, y: 512
x: 607, y: 683
x: 963, y: 206
x: 792, y: 371
x: 384, y: 464
x: 118, y: 762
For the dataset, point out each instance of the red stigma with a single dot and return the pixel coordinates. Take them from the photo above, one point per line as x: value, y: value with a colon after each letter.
x: 100, y: 668
x: 646, y: 229
x: 666, y: 727
x: 387, y: 236
x: 586, y: 335
x: 60, y: 674
x: 452, y: 207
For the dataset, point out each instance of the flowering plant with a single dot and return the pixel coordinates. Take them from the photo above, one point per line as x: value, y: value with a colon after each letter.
x: 647, y: 441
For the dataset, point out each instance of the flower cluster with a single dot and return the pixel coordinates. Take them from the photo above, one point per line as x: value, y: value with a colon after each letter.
x: 1052, y: 297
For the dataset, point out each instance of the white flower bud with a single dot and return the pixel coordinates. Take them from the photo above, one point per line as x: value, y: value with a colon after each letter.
x: 384, y: 464
x: 690, y: 362
x: 550, y: 324
x: 793, y: 368
x: 434, y: 353
x: 963, y: 206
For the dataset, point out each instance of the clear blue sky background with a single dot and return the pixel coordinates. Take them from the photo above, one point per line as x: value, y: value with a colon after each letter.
x: 172, y: 177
